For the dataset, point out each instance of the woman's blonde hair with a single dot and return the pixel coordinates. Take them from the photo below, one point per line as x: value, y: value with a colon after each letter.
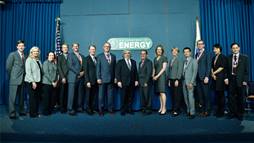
x: 31, y: 52
x: 175, y: 48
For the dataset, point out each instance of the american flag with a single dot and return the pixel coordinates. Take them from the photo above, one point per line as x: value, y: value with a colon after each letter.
x: 58, y: 38
x: 198, y: 35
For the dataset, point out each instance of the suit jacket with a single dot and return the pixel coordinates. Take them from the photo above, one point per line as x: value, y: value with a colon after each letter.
x: 242, y: 69
x: 104, y: 70
x: 90, y: 72
x: 221, y: 61
x: 33, y: 73
x: 15, y: 68
x: 145, y: 72
x: 74, y: 67
x: 62, y: 66
x: 175, y: 71
x: 190, y: 72
x: 49, y: 72
x: 124, y: 75
x: 204, y: 65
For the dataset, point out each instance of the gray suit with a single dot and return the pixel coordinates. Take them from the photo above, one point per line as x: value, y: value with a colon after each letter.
x: 189, y: 77
x: 33, y: 73
x: 75, y: 84
x: 175, y: 68
x: 105, y: 70
x: 49, y: 72
x: 15, y: 67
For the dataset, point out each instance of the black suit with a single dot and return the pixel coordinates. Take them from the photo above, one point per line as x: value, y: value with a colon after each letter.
x: 145, y: 77
x: 218, y: 84
x: 127, y: 77
x: 62, y: 68
x: 236, y: 88
x: 90, y: 76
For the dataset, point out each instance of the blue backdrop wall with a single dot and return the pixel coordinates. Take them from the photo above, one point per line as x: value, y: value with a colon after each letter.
x: 30, y: 20
x: 167, y: 22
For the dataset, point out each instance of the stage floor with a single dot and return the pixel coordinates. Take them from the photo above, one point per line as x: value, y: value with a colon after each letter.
x: 116, y: 128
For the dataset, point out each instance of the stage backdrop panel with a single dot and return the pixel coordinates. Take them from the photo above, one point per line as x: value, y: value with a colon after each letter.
x: 167, y: 22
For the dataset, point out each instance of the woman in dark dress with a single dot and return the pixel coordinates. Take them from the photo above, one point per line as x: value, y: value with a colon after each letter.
x: 159, y: 77
x: 218, y: 75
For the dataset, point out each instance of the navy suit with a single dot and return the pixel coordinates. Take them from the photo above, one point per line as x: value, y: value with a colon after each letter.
x: 105, y: 70
x: 204, y: 68
x: 75, y: 84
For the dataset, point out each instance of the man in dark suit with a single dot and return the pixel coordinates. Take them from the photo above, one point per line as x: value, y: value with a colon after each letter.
x: 105, y: 69
x: 91, y: 79
x: 63, y: 73
x: 237, y: 78
x: 145, y: 71
x: 204, y: 67
x: 127, y: 80
x: 75, y: 78
x: 15, y: 66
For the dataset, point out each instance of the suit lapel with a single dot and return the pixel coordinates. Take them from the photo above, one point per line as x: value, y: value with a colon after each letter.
x: 239, y: 61
x: 188, y: 64
x: 230, y: 62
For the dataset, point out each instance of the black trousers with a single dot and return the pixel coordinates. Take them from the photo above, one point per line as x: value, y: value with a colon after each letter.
x: 145, y: 97
x: 176, y: 95
x: 203, y: 96
x: 63, y: 96
x: 91, y: 94
x: 220, y: 102
x: 236, y: 98
x: 34, y: 99
x: 55, y: 97
x: 47, y: 99
x: 127, y: 98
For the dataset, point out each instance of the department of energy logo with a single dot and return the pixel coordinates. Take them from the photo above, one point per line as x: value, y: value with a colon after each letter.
x: 134, y: 43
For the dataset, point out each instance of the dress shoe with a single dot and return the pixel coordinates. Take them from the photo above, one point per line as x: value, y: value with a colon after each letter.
x: 63, y: 111
x: 13, y: 116
x: 34, y: 115
x: 174, y: 114
x: 191, y: 117
x: 72, y: 112
x: 80, y: 110
x: 22, y: 113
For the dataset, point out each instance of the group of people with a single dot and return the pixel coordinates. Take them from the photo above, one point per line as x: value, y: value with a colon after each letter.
x: 84, y: 79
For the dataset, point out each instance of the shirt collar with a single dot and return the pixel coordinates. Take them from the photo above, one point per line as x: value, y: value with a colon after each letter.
x: 92, y: 56
x: 20, y: 53
x: 236, y: 54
